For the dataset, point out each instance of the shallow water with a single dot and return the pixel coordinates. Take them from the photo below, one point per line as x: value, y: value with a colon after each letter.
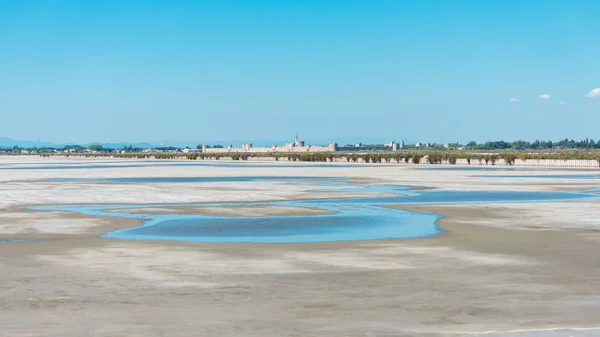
x: 462, y: 197
x: 475, y: 168
x: 72, y: 166
x: 364, y: 224
x: 549, y: 332
x: 547, y: 176
x: 22, y: 240
x: 354, y: 218
x: 150, y: 180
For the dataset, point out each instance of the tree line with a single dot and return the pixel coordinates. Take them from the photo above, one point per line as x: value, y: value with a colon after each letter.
x: 519, y: 145
x: 414, y: 157
x: 536, y: 145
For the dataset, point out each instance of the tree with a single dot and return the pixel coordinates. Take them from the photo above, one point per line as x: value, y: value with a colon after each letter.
x: 96, y: 147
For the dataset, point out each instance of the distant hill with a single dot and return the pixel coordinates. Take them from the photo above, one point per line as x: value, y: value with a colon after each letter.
x: 9, y: 142
x: 121, y: 145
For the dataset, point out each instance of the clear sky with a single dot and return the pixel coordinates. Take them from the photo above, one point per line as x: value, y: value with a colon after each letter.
x: 428, y: 70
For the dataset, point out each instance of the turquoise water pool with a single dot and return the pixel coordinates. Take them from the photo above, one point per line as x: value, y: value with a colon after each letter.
x: 475, y: 168
x: 21, y: 240
x: 547, y: 176
x: 154, y: 180
x: 364, y: 218
x: 73, y: 166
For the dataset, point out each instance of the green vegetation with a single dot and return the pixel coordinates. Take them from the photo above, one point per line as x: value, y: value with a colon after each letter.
x: 431, y: 157
x: 471, y: 147
x: 536, y: 145
x: 489, y: 153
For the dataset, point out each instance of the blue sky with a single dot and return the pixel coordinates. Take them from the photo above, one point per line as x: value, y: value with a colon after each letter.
x: 428, y: 70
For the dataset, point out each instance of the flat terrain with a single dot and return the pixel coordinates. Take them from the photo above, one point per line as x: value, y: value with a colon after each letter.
x: 237, y: 211
x: 522, y: 267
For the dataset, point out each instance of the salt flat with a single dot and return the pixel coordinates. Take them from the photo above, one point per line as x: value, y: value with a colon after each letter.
x: 497, y: 268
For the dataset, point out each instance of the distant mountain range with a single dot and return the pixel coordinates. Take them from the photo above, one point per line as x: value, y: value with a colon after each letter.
x: 8, y: 142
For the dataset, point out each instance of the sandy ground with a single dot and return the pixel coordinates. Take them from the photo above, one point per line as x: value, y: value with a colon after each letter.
x: 575, y: 216
x: 524, y: 268
x: 21, y: 223
x: 237, y: 211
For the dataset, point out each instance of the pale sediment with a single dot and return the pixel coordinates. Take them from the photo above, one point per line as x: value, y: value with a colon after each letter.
x: 20, y: 223
x: 471, y: 278
x: 232, y: 211
x: 496, y: 267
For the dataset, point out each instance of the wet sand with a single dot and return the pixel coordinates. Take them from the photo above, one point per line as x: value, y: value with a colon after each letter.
x: 20, y: 223
x: 234, y: 211
x: 497, y: 267
x: 472, y: 278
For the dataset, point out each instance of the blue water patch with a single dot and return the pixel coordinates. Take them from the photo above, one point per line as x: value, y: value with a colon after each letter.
x: 195, y: 163
x: 547, y: 176
x: 140, y: 180
x: 474, y: 168
x: 366, y: 224
x: 77, y: 167
x: 12, y: 164
x: 351, y: 219
x: 351, y: 222
x: 461, y: 197
x: 345, y: 186
x: 22, y: 240
x: 548, y: 332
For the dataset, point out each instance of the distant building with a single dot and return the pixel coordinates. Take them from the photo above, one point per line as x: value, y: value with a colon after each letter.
x: 393, y: 145
x: 401, y: 144
x: 298, y: 146
x: 418, y: 145
x: 359, y: 144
